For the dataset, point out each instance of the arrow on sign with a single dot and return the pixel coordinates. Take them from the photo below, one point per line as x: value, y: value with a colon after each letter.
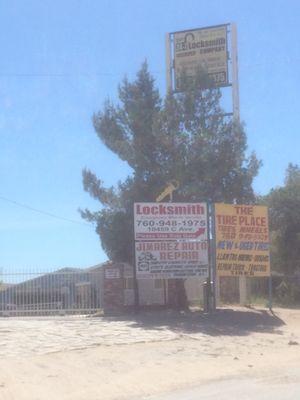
x: 199, y: 232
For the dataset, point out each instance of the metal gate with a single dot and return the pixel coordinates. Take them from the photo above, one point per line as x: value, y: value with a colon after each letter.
x: 66, y: 291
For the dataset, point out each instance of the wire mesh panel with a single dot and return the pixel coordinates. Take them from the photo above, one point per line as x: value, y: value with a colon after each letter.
x: 66, y: 291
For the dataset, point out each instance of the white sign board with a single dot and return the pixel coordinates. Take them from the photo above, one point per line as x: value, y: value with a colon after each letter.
x: 112, y: 273
x: 204, y: 48
x: 170, y: 221
x: 174, y: 259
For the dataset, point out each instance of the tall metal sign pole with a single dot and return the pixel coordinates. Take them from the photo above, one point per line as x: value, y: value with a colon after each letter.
x: 236, y: 118
x: 168, y: 62
x: 235, y: 75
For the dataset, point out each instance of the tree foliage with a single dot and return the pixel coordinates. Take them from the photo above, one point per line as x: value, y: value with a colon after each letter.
x: 284, y: 205
x: 184, y: 136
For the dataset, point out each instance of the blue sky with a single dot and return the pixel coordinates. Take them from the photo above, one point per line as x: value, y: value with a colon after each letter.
x: 60, y: 59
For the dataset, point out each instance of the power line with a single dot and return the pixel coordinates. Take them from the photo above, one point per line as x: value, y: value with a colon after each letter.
x: 285, y: 61
x: 54, y: 75
x: 43, y: 212
x: 68, y: 75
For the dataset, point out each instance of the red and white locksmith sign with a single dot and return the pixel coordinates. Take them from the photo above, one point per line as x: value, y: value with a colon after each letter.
x: 170, y: 221
x: 171, y: 240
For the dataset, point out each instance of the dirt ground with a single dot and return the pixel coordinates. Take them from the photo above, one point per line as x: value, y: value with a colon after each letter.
x: 153, y: 353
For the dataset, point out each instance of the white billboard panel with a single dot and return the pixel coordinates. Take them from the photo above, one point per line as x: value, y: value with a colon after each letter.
x: 170, y: 221
x: 204, y: 48
x: 174, y: 259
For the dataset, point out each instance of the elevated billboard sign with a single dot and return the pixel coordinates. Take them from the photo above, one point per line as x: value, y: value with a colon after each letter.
x: 242, y: 240
x: 204, y: 48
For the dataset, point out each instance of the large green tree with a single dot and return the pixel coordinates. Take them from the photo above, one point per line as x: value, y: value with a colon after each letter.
x: 184, y: 136
x: 284, y: 206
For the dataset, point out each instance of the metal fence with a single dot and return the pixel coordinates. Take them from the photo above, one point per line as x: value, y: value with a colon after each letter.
x: 66, y: 291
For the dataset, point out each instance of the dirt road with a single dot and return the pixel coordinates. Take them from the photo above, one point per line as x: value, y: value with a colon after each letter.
x: 149, y: 355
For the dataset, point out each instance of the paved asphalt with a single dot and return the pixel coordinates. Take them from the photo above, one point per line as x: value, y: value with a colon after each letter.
x: 285, y: 388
